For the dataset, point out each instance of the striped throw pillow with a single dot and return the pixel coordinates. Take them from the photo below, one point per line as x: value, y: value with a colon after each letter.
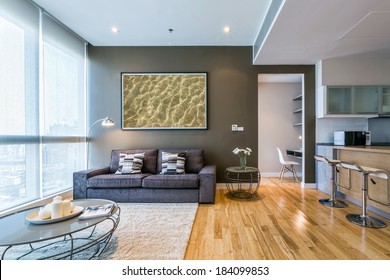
x: 173, y: 163
x: 130, y: 163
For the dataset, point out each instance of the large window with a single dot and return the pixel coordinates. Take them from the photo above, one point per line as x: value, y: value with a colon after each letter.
x: 42, y: 105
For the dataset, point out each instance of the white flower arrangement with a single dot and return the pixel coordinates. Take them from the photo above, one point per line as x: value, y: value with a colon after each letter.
x: 247, y: 151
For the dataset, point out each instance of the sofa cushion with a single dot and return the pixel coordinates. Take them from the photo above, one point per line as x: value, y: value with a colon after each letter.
x: 149, y: 164
x: 116, y: 181
x: 194, y: 160
x: 182, y: 181
x: 130, y: 163
x: 172, y: 163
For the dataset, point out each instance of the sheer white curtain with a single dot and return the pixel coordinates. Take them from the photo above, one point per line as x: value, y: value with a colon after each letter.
x: 42, y: 125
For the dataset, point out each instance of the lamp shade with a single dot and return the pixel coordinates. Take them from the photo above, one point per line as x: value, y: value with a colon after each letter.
x: 107, y: 122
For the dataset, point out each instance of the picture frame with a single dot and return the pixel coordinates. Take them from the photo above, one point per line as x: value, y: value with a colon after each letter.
x: 164, y: 100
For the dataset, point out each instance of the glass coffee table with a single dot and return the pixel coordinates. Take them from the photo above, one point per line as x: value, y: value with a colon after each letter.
x: 242, y: 183
x: 21, y: 239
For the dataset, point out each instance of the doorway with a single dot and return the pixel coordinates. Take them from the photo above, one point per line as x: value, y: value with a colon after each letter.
x: 281, y: 122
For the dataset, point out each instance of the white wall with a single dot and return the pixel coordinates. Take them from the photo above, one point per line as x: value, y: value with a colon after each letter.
x: 367, y: 69
x: 276, y: 124
x: 326, y: 126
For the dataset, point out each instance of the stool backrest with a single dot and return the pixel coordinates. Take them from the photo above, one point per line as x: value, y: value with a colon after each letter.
x: 321, y: 158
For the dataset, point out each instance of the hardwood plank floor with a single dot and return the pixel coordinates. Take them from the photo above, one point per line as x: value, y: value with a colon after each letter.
x: 286, y: 222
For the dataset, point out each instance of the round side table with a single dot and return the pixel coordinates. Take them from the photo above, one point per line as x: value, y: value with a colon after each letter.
x: 242, y: 183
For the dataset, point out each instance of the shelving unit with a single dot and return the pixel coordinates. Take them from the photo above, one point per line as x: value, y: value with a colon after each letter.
x: 298, y: 123
x: 298, y: 120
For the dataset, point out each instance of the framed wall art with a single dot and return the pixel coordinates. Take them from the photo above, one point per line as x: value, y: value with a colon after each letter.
x: 164, y: 100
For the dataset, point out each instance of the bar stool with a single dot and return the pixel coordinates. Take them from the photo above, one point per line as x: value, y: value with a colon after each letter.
x: 364, y: 219
x: 332, y: 201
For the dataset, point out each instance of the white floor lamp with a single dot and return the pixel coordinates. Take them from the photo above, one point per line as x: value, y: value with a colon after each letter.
x: 104, y: 122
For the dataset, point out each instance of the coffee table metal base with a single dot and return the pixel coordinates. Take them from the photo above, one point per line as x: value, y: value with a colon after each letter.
x: 91, y: 242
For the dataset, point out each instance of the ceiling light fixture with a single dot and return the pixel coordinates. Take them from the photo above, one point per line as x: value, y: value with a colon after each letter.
x: 226, y: 29
x: 114, y: 30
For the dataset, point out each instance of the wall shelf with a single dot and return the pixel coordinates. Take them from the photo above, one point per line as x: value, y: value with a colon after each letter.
x: 298, y: 111
x: 299, y: 97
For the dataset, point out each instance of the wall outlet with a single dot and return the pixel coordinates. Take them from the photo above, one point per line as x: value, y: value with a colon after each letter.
x: 234, y: 127
x: 240, y: 128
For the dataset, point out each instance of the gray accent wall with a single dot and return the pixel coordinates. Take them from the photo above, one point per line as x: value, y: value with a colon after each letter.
x: 232, y: 99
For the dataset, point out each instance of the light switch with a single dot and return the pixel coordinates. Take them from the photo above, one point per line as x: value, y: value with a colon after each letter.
x: 234, y: 127
x: 240, y: 128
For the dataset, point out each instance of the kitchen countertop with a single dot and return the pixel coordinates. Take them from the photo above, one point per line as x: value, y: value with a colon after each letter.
x: 370, y: 149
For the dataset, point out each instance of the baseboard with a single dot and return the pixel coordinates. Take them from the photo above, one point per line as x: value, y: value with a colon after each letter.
x: 276, y: 174
x: 308, y: 185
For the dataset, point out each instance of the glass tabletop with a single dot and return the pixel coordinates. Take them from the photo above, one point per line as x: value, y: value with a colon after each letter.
x: 238, y: 169
x: 16, y: 229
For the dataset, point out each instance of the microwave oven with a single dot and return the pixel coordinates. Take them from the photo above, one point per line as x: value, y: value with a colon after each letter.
x: 352, y: 138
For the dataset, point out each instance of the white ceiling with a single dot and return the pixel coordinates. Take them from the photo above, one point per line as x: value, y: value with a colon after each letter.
x: 280, y: 78
x: 304, y: 32
x: 146, y: 22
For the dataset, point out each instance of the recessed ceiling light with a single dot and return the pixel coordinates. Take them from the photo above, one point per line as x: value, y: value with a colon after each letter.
x: 115, y: 30
x: 226, y: 29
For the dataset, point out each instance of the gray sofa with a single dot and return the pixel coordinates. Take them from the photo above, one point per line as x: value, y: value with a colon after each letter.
x: 198, y: 184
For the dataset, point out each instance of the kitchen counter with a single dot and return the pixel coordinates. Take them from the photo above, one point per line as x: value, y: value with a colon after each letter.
x: 367, y: 149
x: 372, y: 156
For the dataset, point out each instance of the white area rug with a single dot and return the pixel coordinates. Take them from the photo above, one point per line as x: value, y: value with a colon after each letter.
x: 146, y: 231
x: 152, y: 231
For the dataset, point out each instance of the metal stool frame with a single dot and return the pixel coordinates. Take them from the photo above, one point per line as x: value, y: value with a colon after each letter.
x: 332, y: 201
x: 364, y: 219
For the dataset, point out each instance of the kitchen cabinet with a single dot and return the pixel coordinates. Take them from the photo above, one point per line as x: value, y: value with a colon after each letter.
x: 353, y: 101
x: 366, y: 100
x: 339, y: 100
x: 385, y: 105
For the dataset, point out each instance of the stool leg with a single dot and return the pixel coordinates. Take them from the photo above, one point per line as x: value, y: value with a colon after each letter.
x: 363, y: 219
x: 332, y: 201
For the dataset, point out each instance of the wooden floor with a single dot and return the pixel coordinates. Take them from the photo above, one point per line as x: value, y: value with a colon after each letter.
x: 286, y: 222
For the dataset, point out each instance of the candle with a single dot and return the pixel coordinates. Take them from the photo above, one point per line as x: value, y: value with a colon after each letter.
x: 45, y: 213
x: 57, y: 209
x: 57, y: 198
x: 66, y: 207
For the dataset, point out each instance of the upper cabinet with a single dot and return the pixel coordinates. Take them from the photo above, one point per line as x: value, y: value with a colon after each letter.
x: 385, y: 99
x: 353, y: 101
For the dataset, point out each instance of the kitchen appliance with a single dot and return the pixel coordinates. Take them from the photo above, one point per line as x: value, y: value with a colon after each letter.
x: 352, y: 138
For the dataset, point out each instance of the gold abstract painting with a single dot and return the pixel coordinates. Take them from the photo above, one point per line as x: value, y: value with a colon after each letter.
x: 164, y: 100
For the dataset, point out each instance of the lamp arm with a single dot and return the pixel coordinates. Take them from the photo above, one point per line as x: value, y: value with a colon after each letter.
x: 89, y: 131
x: 95, y: 122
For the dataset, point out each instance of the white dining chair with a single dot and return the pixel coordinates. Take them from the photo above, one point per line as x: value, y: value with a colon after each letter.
x: 286, y: 166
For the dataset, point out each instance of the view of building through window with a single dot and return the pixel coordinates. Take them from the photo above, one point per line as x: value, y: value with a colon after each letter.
x: 42, y: 132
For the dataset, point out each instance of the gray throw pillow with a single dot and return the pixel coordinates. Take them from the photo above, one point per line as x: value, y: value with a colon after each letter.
x: 130, y: 163
x: 172, y: 163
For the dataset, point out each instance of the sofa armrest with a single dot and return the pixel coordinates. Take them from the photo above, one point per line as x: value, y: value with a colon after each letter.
x: 80, y: 181
x: 207, y: 184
